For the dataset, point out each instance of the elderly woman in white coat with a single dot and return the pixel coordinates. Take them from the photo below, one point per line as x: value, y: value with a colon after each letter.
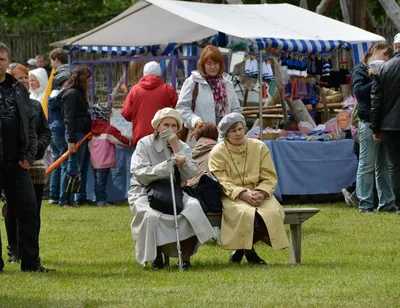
x: 250, y: 211
x: 214, y: 94
x: 153, y: 231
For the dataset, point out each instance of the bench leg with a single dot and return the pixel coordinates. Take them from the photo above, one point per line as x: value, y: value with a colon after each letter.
x: 295, y: 243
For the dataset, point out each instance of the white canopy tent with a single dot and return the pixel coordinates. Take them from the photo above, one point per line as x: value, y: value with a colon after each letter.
x: 166, y: 22
x: 159, y: 26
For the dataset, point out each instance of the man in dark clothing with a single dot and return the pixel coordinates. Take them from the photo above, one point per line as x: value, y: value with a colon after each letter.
x: 385, y: 114
x: 18, y: 143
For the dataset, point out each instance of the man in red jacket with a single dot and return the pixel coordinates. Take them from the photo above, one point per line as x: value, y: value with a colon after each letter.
x: 145, y: 99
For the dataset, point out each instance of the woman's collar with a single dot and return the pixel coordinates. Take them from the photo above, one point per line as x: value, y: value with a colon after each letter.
x: 158, y: 143
x: 237, y: 148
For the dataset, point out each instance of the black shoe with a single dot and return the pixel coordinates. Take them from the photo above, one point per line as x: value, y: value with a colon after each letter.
x: 253, y: 258
x: 1, y: 264
x: 160, y: 262
x: 186, y: 265
x: 389, y: 210
x: 84, y: 202
x: 236, y: 256
x: 39, y: 269
x: 14, y: 259
x: 368, y: 211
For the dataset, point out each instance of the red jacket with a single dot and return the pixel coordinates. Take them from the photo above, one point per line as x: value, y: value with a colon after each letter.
x: 143, y: 101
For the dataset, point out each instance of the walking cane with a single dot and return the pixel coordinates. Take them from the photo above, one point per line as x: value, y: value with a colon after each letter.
x: 63, y: 157
x: 163, y: 136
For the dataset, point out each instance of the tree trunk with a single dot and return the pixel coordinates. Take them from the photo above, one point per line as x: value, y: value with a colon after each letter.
x: 304, y: 4
x: 345, y: 11
x: 324, y: 7
x: 392, y: 9
x: 358, y: 13
x: 234, y: 1
x: 299, y: 111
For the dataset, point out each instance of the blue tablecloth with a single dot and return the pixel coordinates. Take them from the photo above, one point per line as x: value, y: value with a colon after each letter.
x: 313, y: 167
x: 303, y: 168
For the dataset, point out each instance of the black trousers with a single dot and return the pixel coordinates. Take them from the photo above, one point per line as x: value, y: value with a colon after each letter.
x: 10, y: 219
x: 391, y: 142
x: 18, y: 187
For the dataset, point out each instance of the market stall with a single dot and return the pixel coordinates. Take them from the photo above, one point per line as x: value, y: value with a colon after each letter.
x: 158, y: 27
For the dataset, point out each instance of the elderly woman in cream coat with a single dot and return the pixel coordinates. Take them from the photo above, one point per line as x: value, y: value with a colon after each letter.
x: 250, y: 211
x: 216, y: 96
x: 154, y: 232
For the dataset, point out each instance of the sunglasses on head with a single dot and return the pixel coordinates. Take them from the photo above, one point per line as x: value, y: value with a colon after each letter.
x: 12, y: 66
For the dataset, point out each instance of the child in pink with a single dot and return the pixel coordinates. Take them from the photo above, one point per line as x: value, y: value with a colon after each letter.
x: 102, y: 149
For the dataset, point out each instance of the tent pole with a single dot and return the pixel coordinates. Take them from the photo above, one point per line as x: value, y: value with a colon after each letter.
x: 260, y: 103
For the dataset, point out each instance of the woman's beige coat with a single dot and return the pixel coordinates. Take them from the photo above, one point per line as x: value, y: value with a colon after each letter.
x: 258, y: 172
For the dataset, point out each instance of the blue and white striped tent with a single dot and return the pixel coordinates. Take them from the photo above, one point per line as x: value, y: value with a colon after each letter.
x: 156, y: 27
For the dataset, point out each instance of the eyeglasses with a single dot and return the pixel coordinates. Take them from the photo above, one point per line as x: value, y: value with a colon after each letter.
x: 210, y: 64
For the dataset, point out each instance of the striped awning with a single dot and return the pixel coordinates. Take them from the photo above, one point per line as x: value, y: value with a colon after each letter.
x: 296, y: 46
x: 300, y: 46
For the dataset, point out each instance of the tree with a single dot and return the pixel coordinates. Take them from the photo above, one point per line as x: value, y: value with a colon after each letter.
x: 392, y: 9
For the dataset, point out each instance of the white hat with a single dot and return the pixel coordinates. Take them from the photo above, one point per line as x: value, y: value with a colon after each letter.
x: 31, y: 62
x: 397, y: 39
x: 166, y: 113
x: 227, y: 121
x: 152, y: 68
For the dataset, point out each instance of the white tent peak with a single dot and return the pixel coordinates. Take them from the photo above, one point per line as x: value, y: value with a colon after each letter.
x: 155, y: 22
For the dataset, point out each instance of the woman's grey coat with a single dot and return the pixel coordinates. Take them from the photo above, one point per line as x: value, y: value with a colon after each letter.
x: 151, y: 228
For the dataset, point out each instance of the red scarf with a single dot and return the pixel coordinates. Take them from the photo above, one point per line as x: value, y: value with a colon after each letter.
x: 218, y: 88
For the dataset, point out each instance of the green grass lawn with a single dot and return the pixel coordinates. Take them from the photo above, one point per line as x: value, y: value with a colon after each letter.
x: 349, y: 260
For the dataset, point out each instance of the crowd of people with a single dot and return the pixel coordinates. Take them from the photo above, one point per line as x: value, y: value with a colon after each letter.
x: 191, y: 155
x: 374, y: 83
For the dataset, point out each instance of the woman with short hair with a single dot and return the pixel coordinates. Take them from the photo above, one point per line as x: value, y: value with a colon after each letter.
x: 250, y: 211
x: 152, y: 230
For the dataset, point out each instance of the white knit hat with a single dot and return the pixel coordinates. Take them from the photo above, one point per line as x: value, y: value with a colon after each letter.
x: 166, y: 113
x: 152, y: 68
x: 397, y: 39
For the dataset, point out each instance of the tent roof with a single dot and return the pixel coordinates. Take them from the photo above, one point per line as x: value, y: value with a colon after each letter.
x: 164, y: 21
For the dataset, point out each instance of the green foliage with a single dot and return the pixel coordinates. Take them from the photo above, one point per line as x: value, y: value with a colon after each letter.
x: 348, y: 260
x: 59, y: 14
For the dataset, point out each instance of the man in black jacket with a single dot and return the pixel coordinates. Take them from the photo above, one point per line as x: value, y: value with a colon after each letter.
x: 385, y: 114
x: 18, y: 144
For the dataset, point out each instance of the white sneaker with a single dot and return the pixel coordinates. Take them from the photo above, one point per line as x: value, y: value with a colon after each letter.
x: 346, y: 196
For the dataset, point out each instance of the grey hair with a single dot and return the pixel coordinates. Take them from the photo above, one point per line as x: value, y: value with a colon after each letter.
x: 4, y: 48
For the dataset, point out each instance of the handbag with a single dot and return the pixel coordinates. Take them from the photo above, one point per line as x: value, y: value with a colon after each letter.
x: 208, y: 192
x: 183, y: 134
x: 159, y: 195
x: 72, y: 183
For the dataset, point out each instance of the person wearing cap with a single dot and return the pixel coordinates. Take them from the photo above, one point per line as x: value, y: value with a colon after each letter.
x: 250, y: 211
x: 211, y: 91
x: 396, y: 43
x: 31, y: 64
x: 153, y: 231
x: 102, y: 149
x: 385, y: 118
x: 145, y: 99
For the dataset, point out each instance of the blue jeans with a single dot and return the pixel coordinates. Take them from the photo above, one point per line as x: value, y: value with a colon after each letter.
x: 58, y: 147
x: 78, y: 163
x: 100, y: 184
x: 372, y: 166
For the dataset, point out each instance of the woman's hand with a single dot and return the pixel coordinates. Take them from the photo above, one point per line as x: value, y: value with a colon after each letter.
x: 248, y: 197
x: 198, y: 122
x: 72, y: 147
x: 173, y: 141
x: 259, y: 196
x: 180, y: 160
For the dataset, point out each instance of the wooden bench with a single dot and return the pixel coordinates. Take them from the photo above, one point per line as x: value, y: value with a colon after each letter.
x: 293, y: 217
